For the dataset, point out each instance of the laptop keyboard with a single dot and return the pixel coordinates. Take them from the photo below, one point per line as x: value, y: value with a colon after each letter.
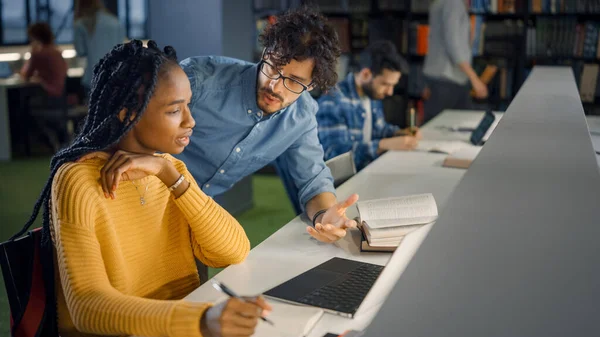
x: 345, y: 296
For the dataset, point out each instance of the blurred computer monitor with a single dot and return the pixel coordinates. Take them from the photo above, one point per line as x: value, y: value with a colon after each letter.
x: 5, y: 70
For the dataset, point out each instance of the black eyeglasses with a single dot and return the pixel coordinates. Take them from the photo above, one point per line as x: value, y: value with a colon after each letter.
x: 289, y: 83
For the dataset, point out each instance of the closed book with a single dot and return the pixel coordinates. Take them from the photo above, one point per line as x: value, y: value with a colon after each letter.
x: 366, y: 247
x: 462, y: 158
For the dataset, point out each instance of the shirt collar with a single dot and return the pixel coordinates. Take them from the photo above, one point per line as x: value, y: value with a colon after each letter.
x: 351, y: 85
x: 249, y: 77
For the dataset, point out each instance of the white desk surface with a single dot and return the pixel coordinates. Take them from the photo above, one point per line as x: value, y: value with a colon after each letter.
x: 436, y: 129
x: 18, y: 81
x: 594, y: 127
x: 290, y: 251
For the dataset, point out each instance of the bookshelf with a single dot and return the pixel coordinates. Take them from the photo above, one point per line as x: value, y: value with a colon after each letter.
x: 515, y: 53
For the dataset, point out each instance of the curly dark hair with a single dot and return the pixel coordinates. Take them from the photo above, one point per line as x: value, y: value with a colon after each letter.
x: 303, y: 34
x: 381, y: 55
x: 40, y: 31
x: 125, y: 78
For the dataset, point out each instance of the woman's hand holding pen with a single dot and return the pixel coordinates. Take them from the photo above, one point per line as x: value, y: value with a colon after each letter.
x: 235, y: 317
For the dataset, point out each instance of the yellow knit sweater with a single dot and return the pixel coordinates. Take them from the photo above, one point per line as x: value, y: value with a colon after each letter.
x: 123, y: 267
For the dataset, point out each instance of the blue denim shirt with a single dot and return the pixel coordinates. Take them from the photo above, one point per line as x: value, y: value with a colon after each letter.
x: 341, y: 119
x: 233, y: 138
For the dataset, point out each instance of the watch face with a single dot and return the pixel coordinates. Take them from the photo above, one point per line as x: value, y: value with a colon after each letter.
x: 482, y: 128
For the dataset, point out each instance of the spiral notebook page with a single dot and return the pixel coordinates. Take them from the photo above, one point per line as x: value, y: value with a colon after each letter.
x: 289, y: 320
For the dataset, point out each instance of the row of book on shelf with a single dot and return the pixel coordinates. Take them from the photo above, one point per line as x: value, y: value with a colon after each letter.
x: 534, y: 6
x: 494, y: 6
x: 564, y: 6
x: 564, y: 37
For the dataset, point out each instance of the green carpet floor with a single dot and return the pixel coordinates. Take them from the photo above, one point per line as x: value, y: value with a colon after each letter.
x: 22, y: 180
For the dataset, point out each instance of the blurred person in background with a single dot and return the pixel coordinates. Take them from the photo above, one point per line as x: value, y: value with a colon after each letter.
x: 450, y: 76
x: 96, y: 32
x: 46, y: 66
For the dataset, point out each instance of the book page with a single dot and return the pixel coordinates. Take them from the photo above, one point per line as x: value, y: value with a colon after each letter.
x: 398, y: 210
x: 289, y: 319
x: 389, y: 232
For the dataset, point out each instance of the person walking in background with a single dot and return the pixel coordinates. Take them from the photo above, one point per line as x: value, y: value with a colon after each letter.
x: 448, y: 63
x: 96, y: 32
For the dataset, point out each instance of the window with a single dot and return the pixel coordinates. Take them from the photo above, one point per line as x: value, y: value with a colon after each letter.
x: 61, y: 20
x: 16, y: 15
x: 133, y: 15
x: 14, y: 21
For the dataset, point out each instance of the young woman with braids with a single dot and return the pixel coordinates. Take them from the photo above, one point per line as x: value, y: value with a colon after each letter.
x: 124, y: 223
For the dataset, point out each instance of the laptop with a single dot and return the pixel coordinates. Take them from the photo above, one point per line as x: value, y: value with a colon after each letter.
x: 5, y: 70
x: 478, y: 135
x: 338, y: 286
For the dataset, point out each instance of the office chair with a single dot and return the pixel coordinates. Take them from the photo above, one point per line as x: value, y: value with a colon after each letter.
x: 342, y: 168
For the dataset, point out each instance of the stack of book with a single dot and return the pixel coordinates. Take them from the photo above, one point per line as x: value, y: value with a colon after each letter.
x: 385, y: 222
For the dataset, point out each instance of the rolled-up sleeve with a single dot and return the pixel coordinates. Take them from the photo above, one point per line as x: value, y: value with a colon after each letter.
x: 456, y: 37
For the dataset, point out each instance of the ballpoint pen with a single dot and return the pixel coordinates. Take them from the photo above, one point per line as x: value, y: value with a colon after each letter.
x: 223, y: 288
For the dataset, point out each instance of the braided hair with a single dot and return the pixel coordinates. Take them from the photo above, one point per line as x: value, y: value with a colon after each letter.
x: 125, y: 78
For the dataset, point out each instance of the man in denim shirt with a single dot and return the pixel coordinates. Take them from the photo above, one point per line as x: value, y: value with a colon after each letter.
x: 249, y: 115
x: 351, y: 116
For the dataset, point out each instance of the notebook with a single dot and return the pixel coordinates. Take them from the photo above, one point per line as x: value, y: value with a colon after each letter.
x: 441, y: 146
x: 288, y: 319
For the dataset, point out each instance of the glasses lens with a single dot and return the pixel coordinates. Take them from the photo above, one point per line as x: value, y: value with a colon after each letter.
x: 293, y: 86
x: 269, y: 71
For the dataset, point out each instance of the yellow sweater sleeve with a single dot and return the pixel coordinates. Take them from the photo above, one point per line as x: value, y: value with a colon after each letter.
x: 96, y: 307
x: 218, y: 238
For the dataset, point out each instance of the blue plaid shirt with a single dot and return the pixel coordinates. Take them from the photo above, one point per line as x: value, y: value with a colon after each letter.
x: 341, y: 118
x: 233, y: 138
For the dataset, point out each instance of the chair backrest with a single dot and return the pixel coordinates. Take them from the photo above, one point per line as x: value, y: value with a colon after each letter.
x: 342, y: 168
x: 21, y: 263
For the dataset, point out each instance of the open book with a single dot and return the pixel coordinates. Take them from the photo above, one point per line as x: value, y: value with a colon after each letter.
x: 442, y: 146
x: 289, y: 320
x: 399, y: 211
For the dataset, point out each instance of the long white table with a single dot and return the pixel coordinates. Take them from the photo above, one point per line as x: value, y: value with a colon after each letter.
x: 10, y: 83
x: 594, y: 127
x: 291, y: 251
x: 515, y: 251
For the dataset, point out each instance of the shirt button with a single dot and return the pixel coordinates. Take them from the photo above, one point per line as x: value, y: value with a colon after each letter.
x: 222, y: 171
x: 207, y: 186
x: 238, y: 149
x: 249, y: 111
